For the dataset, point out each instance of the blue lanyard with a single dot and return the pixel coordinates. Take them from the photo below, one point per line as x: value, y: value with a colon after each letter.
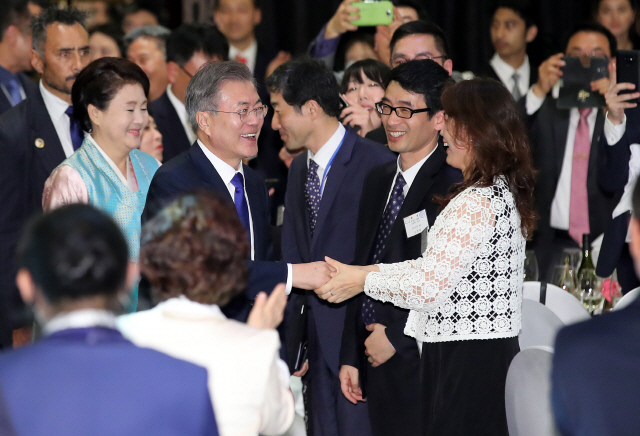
x: 326, y: 171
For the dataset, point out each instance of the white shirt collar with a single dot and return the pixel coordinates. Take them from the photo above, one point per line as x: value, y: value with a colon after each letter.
x: 80, y: 319
x: 225, y: 171
x: 181, y: 110
x: 327, y: 150
x: 410, y: 174
x: 249, y: 54
x: 55, y: 105
x: 182, y: 305
x: 505, y: 72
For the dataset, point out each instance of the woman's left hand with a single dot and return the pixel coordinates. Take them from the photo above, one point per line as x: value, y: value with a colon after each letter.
x: 347, y: 282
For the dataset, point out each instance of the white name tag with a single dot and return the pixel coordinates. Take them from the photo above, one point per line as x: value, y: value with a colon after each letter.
x: 416, y: 223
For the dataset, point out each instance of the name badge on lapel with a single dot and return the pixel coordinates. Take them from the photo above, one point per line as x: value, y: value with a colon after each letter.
x: 416, y: 223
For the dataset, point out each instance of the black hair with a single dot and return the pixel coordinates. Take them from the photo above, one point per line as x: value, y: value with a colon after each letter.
x: 39, y: 24
x: 372, y: 69
x: 112, y: 31
x: 591, y: 26
x: 424, y: 77
x: 191, y: 38
x: 73, y: 252
x: 14, y: 12
x: 421, y: 28
x: 99, y: 82
x: 415, y: 5
x: 154, y: 7
x: 304, y: 79
x: 522, y: 8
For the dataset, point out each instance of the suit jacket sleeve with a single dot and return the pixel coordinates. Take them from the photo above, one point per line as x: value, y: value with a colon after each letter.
x: 395, y: 334
x: 352, y: 348
x: 161, y: 192
x: 613, y: 165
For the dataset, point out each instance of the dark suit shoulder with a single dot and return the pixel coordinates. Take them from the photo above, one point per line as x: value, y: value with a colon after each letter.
x: 371, y: 151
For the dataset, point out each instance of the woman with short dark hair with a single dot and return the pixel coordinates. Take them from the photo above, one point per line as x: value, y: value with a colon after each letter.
x: 465, y: 292
x: 194, y: 255
x: 110, y: 103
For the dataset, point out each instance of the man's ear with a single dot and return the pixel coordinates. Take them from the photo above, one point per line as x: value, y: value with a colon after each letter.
x: 312, y: 108
x: 202, y: 118
x: 26, y: 286
x: 37, y: 62
x: 439, y: 120
x: 448, y: 65
x: 531, y: 33
x: 257, y: 16
x: 172, y: 71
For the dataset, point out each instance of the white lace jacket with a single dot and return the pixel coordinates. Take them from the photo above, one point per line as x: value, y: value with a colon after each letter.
x: 468, y: 282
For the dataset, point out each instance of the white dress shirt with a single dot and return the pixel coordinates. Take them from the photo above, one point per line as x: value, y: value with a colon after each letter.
x: 249, y: 54
x: 505, y: 73
x: 78, y: 319
x: 182, y: 114
x: 56, y: 108
x: 323, y: 156
x: 226, y: 173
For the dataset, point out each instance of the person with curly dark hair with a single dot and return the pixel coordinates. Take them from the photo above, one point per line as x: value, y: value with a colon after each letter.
x: 465, y: 292
x: 110, y: 102
x: 194, y: 255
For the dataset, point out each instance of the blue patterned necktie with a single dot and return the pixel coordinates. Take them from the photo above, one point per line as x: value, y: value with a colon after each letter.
x: 241, y: 203
x: 77, y: 136
x: 388, y: 218
x: 13, y: 88
x: 312, y: 193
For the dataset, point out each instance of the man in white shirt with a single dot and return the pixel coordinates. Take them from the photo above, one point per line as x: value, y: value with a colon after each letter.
x: 189, y: 47
x: 564, y: 143
x: 512, y: 28
x: 35, y: 137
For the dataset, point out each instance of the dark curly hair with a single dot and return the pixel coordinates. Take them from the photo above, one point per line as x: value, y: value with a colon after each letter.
x: 196, y: 247
x: 99, y: 82
x: 487, y: 119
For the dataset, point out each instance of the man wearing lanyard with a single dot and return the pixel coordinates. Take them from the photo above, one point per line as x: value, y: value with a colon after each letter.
x: 321, y: 211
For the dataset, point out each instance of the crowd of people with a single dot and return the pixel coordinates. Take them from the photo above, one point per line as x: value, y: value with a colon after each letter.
x: 190, y: 218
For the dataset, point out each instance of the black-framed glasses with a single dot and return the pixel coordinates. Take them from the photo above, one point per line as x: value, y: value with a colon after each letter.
x: 401, y: 112
x: 185, y: 71
x: 245, y: 114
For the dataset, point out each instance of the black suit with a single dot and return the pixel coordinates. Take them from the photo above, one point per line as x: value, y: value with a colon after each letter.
x: 393, y: 389
x: 174, y: 138
x: 548, y: 129
x: 488, y: 71
x: 28, y: 86
x: 24, y: 168
x: 191, y: 171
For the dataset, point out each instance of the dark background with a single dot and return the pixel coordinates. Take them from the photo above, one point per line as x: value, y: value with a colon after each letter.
x: 291, y: 25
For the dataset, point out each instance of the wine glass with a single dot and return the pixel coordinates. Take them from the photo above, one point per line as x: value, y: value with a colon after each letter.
x: 564, y: 277
x: 530, y: 266
x: 589, y: 291
x: 574, y: 255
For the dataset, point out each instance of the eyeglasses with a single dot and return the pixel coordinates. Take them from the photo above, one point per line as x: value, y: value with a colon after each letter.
x: 399, y: 61
x: 401, y: 112
x: 245, y: 114
x: 185, y: 71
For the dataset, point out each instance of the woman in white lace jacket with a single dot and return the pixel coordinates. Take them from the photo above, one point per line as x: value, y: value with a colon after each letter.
x: 465, y: 292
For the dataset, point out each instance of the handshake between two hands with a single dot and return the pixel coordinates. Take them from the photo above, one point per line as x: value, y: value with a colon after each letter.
x: 334, y: 281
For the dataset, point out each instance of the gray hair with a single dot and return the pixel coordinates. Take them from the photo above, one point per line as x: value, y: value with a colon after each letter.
x: 204, y: 87
x: 159, y: 33
x: 52, y: 14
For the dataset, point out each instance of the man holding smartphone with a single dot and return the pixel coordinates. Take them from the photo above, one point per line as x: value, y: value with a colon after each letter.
x: 564, y: 144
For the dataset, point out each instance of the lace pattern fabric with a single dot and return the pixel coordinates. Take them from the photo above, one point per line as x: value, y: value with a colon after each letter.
x: 468, y: 282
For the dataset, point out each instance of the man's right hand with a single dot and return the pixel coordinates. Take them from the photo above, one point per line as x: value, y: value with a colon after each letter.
x: 341, y: 21
x: 349, y: 383
x: 616, y: 102
x: 548, y: 75
x: 310, y: 276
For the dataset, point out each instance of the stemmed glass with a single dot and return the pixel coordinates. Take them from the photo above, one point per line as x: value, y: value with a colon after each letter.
x: 530, y: 267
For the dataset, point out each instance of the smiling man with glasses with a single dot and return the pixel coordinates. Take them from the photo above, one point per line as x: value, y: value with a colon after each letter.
x: 227, y: 114
x: 412, y: 116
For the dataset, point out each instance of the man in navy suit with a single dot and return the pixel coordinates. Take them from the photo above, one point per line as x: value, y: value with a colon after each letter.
x: 321, y: 211
x: 84, y: 377
x: 595, y: 384
x: 227, y: 114
x: 15, y: 54
x: 35, y: 137
x: 374, y: 346
x: 188, y: 48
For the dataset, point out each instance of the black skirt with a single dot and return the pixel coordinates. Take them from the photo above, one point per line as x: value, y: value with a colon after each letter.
x: 463, y: 386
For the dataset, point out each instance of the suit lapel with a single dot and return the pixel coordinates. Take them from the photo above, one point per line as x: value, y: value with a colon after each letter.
x: 207, y: 172
x: 336, y: 174
x: 52, y: 154
x: 560, y: 130
x: 379, y: 191
x: 255, y: 190
x: 298, y: 175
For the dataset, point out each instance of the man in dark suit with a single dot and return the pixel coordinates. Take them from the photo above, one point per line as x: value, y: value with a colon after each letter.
x: 15, y: 54
x: 227, y: 114
x: 564, y: 144
x: 188, y: 48
x: 404, y: 189
x: 35, y: 137
x: 146, y: 46
x: 512, y: 28
x: 84, y: 377
x: 595, y: 382
x: 321, y: 207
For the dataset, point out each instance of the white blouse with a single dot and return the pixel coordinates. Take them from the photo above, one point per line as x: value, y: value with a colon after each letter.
x: 468, y: 282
